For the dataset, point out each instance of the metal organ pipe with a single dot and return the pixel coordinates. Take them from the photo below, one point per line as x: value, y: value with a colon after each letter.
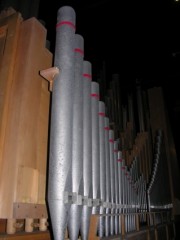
x: 87, y: 174
x: 120, y: 187
x: 87, y: 150
x: 59, y: 180
x: 102, y: 165
x: 77, y: 141
x: 95, y: 146
x: 112, y: 178
x: 108, y: 190
x: 116, y: 185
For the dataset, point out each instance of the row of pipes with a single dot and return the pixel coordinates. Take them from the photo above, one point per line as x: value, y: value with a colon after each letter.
x: 87, y: 172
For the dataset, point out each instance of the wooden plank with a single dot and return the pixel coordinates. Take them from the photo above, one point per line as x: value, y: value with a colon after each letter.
x: 7, y: 12
x: 27, y: 187
x: 43, y: 130
x: 27, y: 236
x: 93, y: 227
x: 24, y: 139
x: 2, y: 225
x: 6, y: 78
x: 12, y: 26
x: 3, y: 35
x: 27, y: 210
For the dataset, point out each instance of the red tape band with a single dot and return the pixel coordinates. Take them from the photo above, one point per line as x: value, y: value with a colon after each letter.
x: 95, y: 95
x: 65, y: 23
x: 79, y: 51
x: 115, y: 150
x: 111, y: 140
x: 123, y: 168
x: 107, y: 128
x: 120, y: 160
x: 86, y: 75
x: 102, y: 114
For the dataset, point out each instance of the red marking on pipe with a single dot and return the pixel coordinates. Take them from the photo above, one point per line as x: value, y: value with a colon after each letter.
x: 126, y: 174
x: 70, y: 24
x: 106, y: 128
x: 120, y: 160
x: 123, y: 168
x: 115, y: 150
x: 78, y: 50
x: 95, y: 95
x: 86, y: 75
x: 111, y: 140
x: 102, y: 114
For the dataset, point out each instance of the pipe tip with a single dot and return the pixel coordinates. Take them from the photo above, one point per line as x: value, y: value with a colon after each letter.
x: 79, y: 42
x: 87, y: 67
x: 66, y: 13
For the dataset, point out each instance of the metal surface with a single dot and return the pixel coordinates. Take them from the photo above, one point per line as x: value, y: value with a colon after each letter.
x: 120, y: 187
x: 60, y: 157
x: 116, y: 179
x: 87, y: 148
x: 77, y: 140
x: 108, y: 191
x: 112, y: 178
x: 102, y: 166
x: 95, y: 145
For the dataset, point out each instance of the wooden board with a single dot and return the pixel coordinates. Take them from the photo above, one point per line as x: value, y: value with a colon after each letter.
x: 10, y: 27
x: 27, y: 236
x: 23, y: 156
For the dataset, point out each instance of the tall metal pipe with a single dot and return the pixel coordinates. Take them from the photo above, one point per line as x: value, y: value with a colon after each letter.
x: 77, y: 141
x: 112, y: 177
x: 116, y: 185
x: 123, y: 187
x: 95, y: 146
x: 87, y: 148
x: 108, y: 191
x: 59, y: 180
x: 120, y: 187
x: 102, y: 165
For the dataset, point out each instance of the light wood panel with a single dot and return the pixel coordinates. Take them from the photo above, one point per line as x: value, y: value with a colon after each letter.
x: 24, y: 108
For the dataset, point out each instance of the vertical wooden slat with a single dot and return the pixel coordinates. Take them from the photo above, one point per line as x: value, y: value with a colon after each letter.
x: 93, y: 228
x: 12, y: 23
x: 27, y: 106
x: 6, y: 79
